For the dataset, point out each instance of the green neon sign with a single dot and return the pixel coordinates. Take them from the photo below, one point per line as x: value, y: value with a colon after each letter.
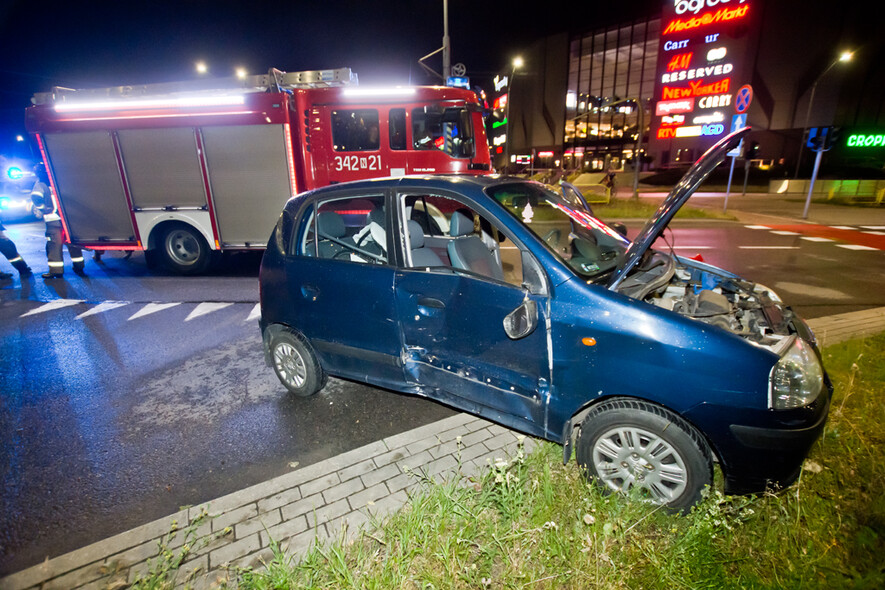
x: 496, y: 124
x: 862, y: 140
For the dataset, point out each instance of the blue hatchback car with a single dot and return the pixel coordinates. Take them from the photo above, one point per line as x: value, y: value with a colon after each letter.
x: 508, y: 300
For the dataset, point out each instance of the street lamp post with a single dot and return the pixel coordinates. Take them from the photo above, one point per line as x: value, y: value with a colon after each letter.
x: 845, y: 56
x: 515, y: 65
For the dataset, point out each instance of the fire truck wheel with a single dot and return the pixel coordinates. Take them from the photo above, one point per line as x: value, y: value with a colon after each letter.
x: 184, y: 250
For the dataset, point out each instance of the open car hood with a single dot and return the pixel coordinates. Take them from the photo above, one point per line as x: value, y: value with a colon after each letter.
x: 674, y: 201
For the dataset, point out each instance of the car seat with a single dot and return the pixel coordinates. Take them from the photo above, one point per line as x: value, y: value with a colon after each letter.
x: 330, y: 227
x: 467, y: 250
x: 421, y: 255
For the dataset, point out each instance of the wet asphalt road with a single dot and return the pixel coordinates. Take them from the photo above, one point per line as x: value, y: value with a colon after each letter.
x: 149, y: 391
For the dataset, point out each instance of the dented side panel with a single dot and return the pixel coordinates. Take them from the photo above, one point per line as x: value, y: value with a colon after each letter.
x: 454, y: 341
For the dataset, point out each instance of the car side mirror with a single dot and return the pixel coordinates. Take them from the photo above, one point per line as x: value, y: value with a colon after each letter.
x: 522, y: 321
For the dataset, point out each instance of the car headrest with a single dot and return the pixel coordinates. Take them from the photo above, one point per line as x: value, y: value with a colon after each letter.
x: 416, y: 235
x: 330, y: 224
x: 460, y: 225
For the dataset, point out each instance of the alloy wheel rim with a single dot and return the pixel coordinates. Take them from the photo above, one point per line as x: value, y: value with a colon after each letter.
x: 290, y: 364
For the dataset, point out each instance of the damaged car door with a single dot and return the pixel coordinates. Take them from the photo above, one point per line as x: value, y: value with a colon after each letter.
x: 473, y: 334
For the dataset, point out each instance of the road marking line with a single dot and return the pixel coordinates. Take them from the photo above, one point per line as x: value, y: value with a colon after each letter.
x: 874, y: 233
x: 757, y: 227
x: 204, y: 308
x: 873, y: 227
x: 101, y: 308
x: 693, y: 247
x: 856, y: 247
x: 53, y: 305
x: 255, y: 314
x: 816, y: 239
x: 151, y: 308
x: 782, y: 232
x: 852, y: 228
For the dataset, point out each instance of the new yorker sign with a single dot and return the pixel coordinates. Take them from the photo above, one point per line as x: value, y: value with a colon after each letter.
x: 704, y: 59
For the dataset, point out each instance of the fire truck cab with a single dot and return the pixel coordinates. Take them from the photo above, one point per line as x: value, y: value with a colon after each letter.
x: 189, y: 169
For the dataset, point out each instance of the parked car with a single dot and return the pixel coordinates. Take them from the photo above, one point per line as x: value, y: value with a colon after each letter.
x: 525, y: 309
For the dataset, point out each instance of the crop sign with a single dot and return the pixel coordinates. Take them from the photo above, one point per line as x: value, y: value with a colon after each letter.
x: 703, y: 69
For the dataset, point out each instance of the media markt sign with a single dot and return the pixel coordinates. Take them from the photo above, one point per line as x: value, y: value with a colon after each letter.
x: 704, y: 63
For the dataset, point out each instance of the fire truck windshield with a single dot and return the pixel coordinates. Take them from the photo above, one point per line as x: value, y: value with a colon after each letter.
x: 449, y: 130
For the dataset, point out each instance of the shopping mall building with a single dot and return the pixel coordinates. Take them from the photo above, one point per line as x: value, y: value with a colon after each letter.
x: 671, y: 82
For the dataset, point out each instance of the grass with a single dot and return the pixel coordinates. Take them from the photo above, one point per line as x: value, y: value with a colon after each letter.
x: 531, y: 522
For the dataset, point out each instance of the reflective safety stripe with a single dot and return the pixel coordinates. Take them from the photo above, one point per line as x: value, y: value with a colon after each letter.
x: 51, y: 217
x: 76, y: 260
x: 14, y: 260
x: 56, y: 264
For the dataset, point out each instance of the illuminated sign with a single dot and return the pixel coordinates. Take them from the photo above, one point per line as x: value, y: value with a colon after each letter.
x: 716, y: 117
x: 718, y: 70
x: 674, y: 106
x: 545, y: 154
x: 697, y: 88
x: 714, y: 102
x: 723, y: 15
x: 704, y: 51
x: 500, y: 82
x: 866, y: 140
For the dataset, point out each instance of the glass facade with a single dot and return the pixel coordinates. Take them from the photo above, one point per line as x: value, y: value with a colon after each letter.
x: 611, y: 74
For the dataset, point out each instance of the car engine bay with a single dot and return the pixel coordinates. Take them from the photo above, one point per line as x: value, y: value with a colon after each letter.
x: 705, y: 294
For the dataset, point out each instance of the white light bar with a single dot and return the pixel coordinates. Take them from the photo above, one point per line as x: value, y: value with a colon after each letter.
x: 364, y: 91
x: 153, y: 103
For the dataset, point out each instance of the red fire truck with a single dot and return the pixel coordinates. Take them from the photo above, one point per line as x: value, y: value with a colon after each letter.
x: 189, y: 169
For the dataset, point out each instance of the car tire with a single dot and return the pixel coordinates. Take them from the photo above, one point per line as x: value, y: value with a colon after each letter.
x: 625, y: 444
x: 184, y: 250
x: 295, y: 364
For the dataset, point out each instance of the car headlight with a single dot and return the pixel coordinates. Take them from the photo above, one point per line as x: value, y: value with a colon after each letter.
x: 797, y: 378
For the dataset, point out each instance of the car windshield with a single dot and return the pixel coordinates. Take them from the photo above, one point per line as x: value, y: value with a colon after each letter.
x: 587, y: 245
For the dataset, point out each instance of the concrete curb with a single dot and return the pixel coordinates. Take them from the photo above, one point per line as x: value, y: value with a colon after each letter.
x: 315, y: 503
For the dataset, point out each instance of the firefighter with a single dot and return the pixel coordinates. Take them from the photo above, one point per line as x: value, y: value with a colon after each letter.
x: 41, y: 195
x: 7, y: 247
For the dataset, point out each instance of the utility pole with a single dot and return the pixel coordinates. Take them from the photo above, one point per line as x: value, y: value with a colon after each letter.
x: 447, y: 45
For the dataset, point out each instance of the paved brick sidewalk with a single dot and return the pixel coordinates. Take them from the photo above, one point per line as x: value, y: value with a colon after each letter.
x: 316, y: 502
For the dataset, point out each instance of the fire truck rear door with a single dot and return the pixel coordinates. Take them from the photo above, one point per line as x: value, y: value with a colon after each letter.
x: 89, y: 186
x: 249, y: 179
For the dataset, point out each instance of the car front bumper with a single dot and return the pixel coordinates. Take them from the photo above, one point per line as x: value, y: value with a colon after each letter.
x: 761, y: 449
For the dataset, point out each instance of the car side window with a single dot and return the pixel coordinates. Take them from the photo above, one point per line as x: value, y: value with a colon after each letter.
x: 350, y: 229
x: 446, y: 229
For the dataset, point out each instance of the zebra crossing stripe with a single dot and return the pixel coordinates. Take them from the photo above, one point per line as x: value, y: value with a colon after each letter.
x: 255, y: 314
x: 52, y: 306
x: 151, y: 308
x: 101, y: 308
x: 204, y: 308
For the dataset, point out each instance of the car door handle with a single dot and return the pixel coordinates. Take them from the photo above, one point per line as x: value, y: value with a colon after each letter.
x: 310, y: 292
x: 431, y: 302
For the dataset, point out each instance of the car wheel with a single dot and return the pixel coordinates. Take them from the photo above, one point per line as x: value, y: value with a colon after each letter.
x: 627, y: 444
x: 295, y: 364
x: 184, y: 250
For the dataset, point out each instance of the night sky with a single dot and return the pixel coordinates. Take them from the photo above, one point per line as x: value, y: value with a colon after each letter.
x: 95, y: 43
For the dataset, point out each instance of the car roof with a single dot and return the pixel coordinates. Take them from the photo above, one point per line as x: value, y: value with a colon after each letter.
x: 440, y: 181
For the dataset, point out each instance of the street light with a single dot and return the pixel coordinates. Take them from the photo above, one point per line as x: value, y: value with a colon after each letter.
x: 844, y: 57
x: 201, y: 67
x: 515, y: 65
